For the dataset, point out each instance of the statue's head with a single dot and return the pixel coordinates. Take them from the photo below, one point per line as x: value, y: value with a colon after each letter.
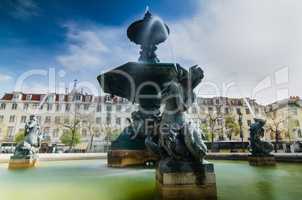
x: 261, y: 122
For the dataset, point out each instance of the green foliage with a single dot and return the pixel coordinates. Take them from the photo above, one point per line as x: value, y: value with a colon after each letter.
x: 70, y: 138
x: 115, y: 134
x: 19, y: 137
x: 112, y: 134
x: 232, y: 126
x: 205, y: 130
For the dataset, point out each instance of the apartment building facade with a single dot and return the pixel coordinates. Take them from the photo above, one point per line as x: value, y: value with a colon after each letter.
x: 98, y: 114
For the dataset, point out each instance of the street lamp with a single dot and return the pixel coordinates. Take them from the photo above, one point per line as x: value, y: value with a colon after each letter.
x: 240, y: 127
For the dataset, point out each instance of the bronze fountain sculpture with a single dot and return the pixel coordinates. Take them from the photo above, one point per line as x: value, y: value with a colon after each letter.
x: 181, y: 171
x: 260, y: 150
x: 25, y: 155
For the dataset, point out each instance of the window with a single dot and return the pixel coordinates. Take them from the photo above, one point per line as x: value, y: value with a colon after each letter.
x: 78, y: 97
x: 12, y: 118
x: 118, y: 121
x: 25, y: 106
x: 249, y: 122
x: 99, y: 108
x: 39, y: 119
x: 28, y: 97
x: 58, y: 107
x: 35, y: 105
x: 57, y: 120
x: 2, y: 106
x: 47, y: 119
x: 67, y: 108
x: 55, y: 133
x: 108, y: 108
x: 10, y: 131
x: 49, y: 107
x: 238, y: 110
x: 98, y: 120
x: 14, y: 106
x: 118, y: 108
x: 256, y: 110
x: 226, y: 110
x: 108, y: 119
x: 210, y: 109
x: 23, y: 119
x: 86, y: 106
x: 1, y: 118
x: 247, y: 111
x: 84, y: 132
x: 78, y: 106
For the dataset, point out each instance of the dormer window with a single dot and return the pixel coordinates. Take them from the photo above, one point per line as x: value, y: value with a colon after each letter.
x: 61, y: 97
x: 16, y: 97
x: 28, y: 97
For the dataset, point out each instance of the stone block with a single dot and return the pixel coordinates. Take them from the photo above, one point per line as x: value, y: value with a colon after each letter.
x: 22, y: 163
x: 262, y: 160
x: 125, y: 158
x: 185, y: 180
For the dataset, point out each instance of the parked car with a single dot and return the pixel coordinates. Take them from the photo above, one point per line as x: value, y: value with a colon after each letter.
x: 7, y: 147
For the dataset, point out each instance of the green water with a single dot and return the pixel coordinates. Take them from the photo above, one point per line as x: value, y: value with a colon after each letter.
x: 91, y: 180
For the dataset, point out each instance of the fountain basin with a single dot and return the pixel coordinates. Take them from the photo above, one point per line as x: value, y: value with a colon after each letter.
x: 91, y: 179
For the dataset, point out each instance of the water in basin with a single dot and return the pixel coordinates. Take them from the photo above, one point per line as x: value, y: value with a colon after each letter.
x: 92, y: 180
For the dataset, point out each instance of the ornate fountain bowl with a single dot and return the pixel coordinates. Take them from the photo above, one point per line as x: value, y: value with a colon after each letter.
x: 148, y: 31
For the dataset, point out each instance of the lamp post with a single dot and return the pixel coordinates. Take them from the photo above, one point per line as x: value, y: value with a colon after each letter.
x: 240, y: 128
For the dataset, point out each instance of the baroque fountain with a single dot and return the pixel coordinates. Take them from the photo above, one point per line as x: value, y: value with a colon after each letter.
x: 165, y: 136
x: 181, y: 171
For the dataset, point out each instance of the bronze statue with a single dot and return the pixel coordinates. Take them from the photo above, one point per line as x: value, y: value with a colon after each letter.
x: 257, y: 146
x: 178, y: 139
x: 29, y: 147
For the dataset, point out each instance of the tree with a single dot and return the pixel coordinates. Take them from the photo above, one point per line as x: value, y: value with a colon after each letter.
x: 19, y: 137
x: 233, y: 128
x: 90, y: 127
x: 205, y: 130
x: 275, y: 128
x: 209, y: 124
x: 70, y: 138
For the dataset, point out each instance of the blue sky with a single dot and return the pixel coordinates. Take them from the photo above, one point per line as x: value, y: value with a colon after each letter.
x: 251, y: 47
x: 33, y: 32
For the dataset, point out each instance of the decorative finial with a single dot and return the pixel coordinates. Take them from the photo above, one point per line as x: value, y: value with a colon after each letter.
x: 148, y: 32
x: 147, y: 9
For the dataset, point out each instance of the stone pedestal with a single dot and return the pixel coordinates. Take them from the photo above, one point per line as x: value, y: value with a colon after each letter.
x: 186, y: 180
x: 262, y: 160
x: 125, y: 158
x: 22, y: 163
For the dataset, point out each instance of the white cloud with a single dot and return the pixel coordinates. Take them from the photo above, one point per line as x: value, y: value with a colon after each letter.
x: 4, y: 77
x: 237, y: 41
x: 95, y: 48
